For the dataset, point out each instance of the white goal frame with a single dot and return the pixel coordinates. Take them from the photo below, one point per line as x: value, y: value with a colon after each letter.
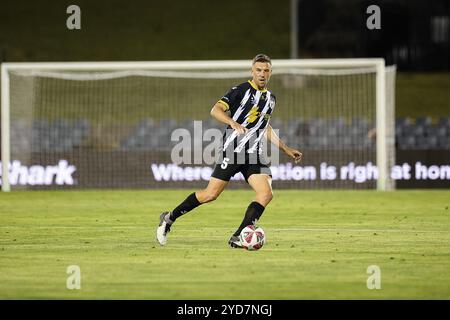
x: 377, y: 63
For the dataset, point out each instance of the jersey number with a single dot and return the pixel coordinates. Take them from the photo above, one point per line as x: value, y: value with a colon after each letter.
x: 224, y: 164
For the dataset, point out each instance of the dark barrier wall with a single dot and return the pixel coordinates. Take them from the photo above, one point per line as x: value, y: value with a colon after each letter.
x: 429, y: 169
x: 84, y: 169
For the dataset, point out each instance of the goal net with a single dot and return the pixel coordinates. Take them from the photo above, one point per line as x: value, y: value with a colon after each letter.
x: 148, y: 124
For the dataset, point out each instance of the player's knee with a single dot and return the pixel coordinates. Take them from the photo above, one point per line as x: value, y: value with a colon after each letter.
x: 269, y: 196
x: 265, y: 197
x: 211, y: 196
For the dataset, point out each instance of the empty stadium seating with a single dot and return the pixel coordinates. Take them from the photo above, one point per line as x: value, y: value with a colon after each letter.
x: 314, y: 133
x: 42, y: 135
x: 423, y: 133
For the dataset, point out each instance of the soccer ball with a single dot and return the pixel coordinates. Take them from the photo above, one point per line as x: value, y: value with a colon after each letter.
x: 252, y: 238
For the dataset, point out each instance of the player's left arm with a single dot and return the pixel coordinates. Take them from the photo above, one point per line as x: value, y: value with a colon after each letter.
x: 291, y: 152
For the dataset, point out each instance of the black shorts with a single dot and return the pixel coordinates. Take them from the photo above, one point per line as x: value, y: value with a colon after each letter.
x: 226, y: 171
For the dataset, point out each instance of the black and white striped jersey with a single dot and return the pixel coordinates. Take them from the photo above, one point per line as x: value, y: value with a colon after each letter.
x: 251, y: 108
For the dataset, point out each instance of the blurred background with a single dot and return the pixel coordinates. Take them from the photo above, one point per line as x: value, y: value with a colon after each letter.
x: 414, y: 36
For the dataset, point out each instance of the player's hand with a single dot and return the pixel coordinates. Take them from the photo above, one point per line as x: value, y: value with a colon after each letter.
x: 239, y: 129
x: 295, y: 154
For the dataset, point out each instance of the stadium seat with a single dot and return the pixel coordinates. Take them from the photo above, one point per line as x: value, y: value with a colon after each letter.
x: 407, y: 142
x: 443, y: 142
x: 442, y: 131
x: 60, y: 135
x: 418, y: 130
x: 425, y: 143
x: 444, y: 121
x: 291, y: 127
x: 403, y: 121
x: 363, y: 126
x: 431, y: 130
x: 406, y: 130
x: 424, y: 121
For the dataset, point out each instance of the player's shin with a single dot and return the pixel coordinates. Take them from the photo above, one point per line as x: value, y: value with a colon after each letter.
x: 252, y: 215
x: 190, y: 203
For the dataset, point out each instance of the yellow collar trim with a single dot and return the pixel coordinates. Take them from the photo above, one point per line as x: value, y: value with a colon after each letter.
x: 255, y: 87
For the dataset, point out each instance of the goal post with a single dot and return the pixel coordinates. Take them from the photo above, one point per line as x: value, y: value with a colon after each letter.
x: 381, y: 125
x: 5, y: 128
x: 328, y: 75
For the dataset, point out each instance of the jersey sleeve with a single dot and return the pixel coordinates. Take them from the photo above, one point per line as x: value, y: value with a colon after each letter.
x: 230, y: 99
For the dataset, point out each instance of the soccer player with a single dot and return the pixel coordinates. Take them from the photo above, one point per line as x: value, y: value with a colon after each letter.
x: 250, y: 105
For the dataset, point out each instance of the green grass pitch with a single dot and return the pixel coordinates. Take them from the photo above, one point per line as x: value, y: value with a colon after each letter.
x: 319, y: 246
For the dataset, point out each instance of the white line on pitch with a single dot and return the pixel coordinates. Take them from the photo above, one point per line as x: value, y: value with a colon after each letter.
x: 223, y: 228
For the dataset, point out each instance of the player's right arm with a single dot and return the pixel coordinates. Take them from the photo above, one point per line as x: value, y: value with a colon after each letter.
x: 218, y: 112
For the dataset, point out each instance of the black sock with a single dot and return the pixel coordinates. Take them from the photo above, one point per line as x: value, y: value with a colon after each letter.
x: 252, y: 215
x: 191, y: 202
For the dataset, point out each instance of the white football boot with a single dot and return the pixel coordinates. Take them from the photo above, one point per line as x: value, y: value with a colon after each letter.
x: 163, y: 228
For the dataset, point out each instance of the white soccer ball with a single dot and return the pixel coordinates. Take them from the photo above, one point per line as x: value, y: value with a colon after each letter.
x: 252, y: 238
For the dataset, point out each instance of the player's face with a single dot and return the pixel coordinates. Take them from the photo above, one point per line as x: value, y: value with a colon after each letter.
x: 261, y: 72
